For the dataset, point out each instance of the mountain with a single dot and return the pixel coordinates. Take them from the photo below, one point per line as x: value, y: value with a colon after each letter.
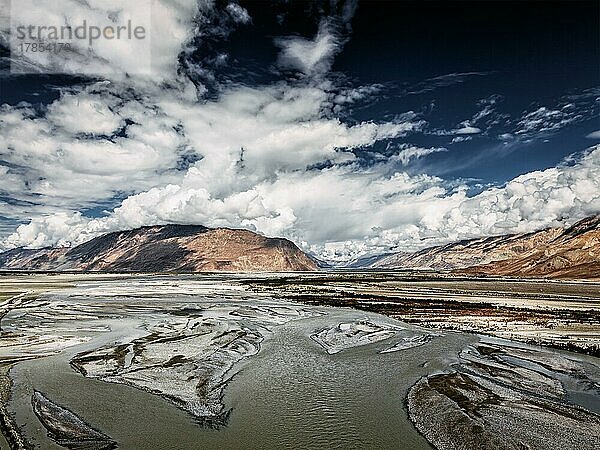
x: 467, y: 253
x: 366, y: 261
x: 31, y: 259
x: 561, y: 252
x: 573, y: 254
x: 181, y: 248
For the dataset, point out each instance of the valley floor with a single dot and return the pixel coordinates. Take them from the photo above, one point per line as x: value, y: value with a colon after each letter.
x: 560, y: 314
x: 299, y: 360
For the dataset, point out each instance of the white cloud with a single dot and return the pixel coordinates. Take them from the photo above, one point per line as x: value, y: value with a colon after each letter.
x: 467, y: 130
x: 506, y: 137
x: 539, y: 122
x: 167, y: 24
x: 238, y: 13
x: 310, y: 56
x: 85, y: 113
x: 544, y: 120
x: 531, y: 201
x: 243, y: 141
x: 594, y: 135
x: 352, y: 95
x: 409, y: 153
x: 342, y: 212
x: 58, y: 168
x: 457, y: 139
x: 464, y: 131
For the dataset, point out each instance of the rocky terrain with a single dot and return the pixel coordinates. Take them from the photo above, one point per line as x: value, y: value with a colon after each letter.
x: 574, y: 253
x: 181, y: 248
x: 561, y: 252
x: 31, y: 259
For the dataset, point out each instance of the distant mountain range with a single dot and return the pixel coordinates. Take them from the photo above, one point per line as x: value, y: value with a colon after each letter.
x: 180, y: 248
x: 563, y: 252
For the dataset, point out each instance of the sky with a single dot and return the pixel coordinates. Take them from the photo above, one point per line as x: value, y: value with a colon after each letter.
x: 351, y: 128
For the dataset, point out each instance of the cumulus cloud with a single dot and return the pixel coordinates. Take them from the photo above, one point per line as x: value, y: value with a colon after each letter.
x: 167, y: 25
x: 342, y: 212
x: 175, y: 158
x: 60, y: 161
x: 533, y: 200
x: 315, y: 207
x: 85, y: 113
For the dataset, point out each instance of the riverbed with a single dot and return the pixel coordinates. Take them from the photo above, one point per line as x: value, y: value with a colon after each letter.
x: 166, y: 362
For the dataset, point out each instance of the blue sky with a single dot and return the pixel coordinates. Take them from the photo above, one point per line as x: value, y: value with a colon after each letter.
x: 349, y: 127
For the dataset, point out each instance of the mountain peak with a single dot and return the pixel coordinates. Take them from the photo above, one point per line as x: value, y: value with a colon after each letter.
x: 560, y: 252
x: 159, y: 248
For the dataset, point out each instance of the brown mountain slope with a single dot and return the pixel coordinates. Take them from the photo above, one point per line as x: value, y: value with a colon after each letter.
x: 182, y: 248
x: 561, y: 252
x: 33, y: 259
x: 574, y: 254
x: 468, y: 253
